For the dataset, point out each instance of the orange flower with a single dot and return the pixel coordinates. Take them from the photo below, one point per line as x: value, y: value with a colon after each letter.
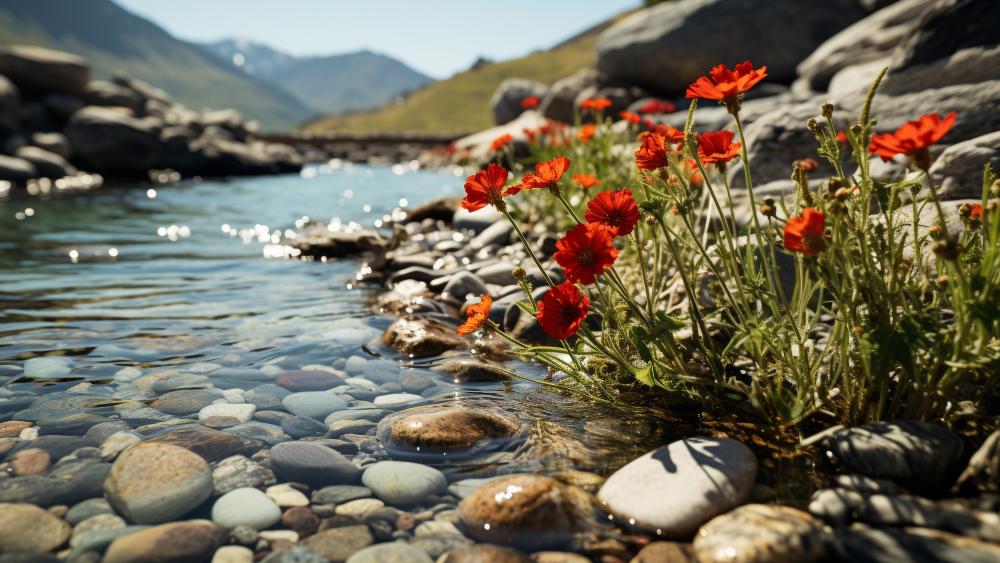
x: 657, y: 106
x: 478, y: 313
x: 586, y: 181
x: 586, y: 132
x: 723, y: 84
x: 617, y: 210
x: 530, y: 102
x: 586, y: 252
x: 546, y: 175
x: 502, y: 141
x: 717, y: 147
x: 595, y: 104
x: 976, y: 211
x: 633, y: 118
x: 805, y: 233
x: 670, y: 134
x: 562, y: 310
x: 652, y: 152
x: 690, y: 170
x: 486, y: 188
x: 808, y: 164
x: 530, y: 133
x: 913, y: 137
x: 842, y: 137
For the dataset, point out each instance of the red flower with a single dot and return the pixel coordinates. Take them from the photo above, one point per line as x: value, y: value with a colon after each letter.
x: 670, y: 134
x: 805, y: 233
x: 586, y: 132
x: 913, y: 137
x: 724, y: 84
x: 690, y: 170
x: 586, y: 181
x: 595, y: 104
x: 530, y: 102
x: 478, y: 313
x: 585, y: 252
x: 502, y: 141
x: 842, y: 137
x: 616, y: 210
x: 486, y: 188
x: 530, y: 133
x: 652, y: 152
x: 633, y: 118
x: 657, y: 106
x: 546, y: 175
x: 976, y: 211
x: 562, y: 310
x: 717, y: 147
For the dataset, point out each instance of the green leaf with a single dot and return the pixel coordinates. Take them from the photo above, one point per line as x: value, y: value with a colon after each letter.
x: 645, y: 375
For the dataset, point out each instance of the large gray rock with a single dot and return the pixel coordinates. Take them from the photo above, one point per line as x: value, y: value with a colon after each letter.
x: 958, y: 171
x: 105, y: 93
x: 560, y: 101
x: 874, y: 37
x: 10, y: 106
x: 44, y: 70
x: 505, y: 105
x: 666, y: 47
x: 113, y: 140
x: 48, y: 165
x: 918, y: 452
x: 477, y: 147
x: 18, y: 170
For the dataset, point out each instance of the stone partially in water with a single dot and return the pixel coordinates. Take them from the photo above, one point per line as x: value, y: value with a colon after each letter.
x: 313, y: 404
x: 907, y: 450
x: 453, y: 432
x: 337, y: 494
x: 421, y: 338
x: 761, y: 533
x: 297, y: 381
x: 190, y: 540
x: 47, y: 366
x: 241, y: 412
x: 312, y: 464
x: 675, y: 489
x: 27, y: 528
x: 185, y: 401
x: 338, y: 544
x: 485, y: 553
x: 397, y: 400
x: 303, y: 427
x: 462, y: 370
x: 395, y: 552
x: 245, y: 507
x: 153, y: 483
x: 663, y: 551
x: 526, y: 511
x: 401, y: 483
x: 212, y: 445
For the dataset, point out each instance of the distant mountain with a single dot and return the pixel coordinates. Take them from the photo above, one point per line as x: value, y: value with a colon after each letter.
x: 328, y: 84
x: 115, y: 40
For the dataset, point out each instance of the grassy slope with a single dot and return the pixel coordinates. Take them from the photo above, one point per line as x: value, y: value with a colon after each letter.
x: 461, y: 103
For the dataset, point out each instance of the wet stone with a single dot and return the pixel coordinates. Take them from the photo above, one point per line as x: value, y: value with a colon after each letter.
x: 313, y: 404
x: 338, y: 544
x: 190, y: 540
x: 185, y: 401
x: 240, y: 412
x: 90, y: 507
x: 394, y: 552
x: 232, y: 554
x: 485, y: 553
x: 153, y: 483
x: 300, y: 519
x: 861, y: 543
x: 266, y: 397
x: 59, y: 447
x: 397, y: 400
x: 24, y: 527
x: 421, y: 338
x: 371, y: 414
x: 403, y: 483
x: 271, y: 417
x: 360, y: 508
x: 527, y: 511
x: 97, y: 523
x: 303, y: 427
x: 312, y: 464
x: 302, y: 380
x: 462, y: 370
x: 245, y: 507
x: 661, y: 552
x: 239, y: 471
x: 433, y: 432
x: 693, y: 479
x: 285, y: 495
x: 269, y: 434
x: 31, y: 461
x: 919, y: 452
x: 13, y: 428
x: 212, y: 445
x: 339, y: 494
x: 341, y: 427
x: 382, y: 371
x: 117, y: 442
x: 758, y: 532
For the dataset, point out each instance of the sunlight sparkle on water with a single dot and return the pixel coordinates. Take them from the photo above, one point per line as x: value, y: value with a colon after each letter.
x: 151, y: 193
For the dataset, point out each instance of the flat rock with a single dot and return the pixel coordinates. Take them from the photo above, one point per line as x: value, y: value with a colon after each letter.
x: 303, y: 427
x: 238, y: 471
x: 453, y: 432
x: 153, y: 483
x: 245, y: 507
x: 919, y: 452
x: 241, y: 412
x: 395, y: 552
x: 485, y: 553
x: 308, y: 380
x: 421, y: 338
x: 44, y: 70
x: 693, y: 480
x: 397, y: 400
x: 95, y: 524
x: 401, y: 483
x: 285, y: 496
x: 312, y: 464
x: 758, y: 532
x: 185, y: 401
x: 338, y: 494
x: 212, y: 445
x: 338, y: 544
x: 190, y: 540
x: 90, y: 507
x: 25, y: 527
x: 313, y: 404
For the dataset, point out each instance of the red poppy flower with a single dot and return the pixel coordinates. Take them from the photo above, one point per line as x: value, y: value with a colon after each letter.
x: 805, y: 233
x: 842, y: 137
x: 808, y: 164
x: 976, y: 211
x: 546, y: 175
x: 586, y: 132
x: 586, y: 181
x: 616, y: 210
x: 670, y: 134
x: 690, y: 170
x: 723, y: 84
x: 486, y: 188
x: 586, y: 252
x: 657, y: 106
x: 717, y: 147
x: 595, y: 104
x: 477, y: 314
x: 530, y: 102
x: 530, y: 133
x: 562, y: 310
x: 652, y: 152
x: 913, y: 137
x: 502, y: 141
x: 633, y: 118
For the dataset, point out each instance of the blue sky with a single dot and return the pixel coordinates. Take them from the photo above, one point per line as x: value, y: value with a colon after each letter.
x: 437, y: 37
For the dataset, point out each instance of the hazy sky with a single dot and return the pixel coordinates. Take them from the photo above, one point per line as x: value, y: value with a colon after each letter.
x: 438, y: 37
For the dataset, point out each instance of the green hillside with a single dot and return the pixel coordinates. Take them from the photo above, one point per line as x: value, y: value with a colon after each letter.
x: 461, y: 103
x: 114, y: 40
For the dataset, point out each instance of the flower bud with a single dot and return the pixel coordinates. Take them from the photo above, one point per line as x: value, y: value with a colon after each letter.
x: 856, y: 128
x: 858, y: 331
x: 812, y: 124
x: 767, y: 210
x: 995, y: 188
x: 842, y: 194
x: 519, y: 274
x: 965, y: 210
x: 827, y: 109
x: 833, y: 184
x: 650, y: 220
x: 943, y: 279
x: 946, y: 249
x: 936, y: 232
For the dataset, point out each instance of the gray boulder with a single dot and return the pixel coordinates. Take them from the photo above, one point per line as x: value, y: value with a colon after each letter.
x: 10, y: 106
x: 874, y: 37
x: 560, y: 101
x: 113, y: 140
x: 105, y: 93
x: 48, y: 165
x: 666, y: 47
x: 958, y: 171
x: 44, y: 70
x: 505, y: 105
x: 144, y: 89
x: 17, y: 170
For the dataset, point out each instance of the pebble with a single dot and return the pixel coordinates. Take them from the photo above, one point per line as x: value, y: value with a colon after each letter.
x: 526, y: 511
x: 761, y: 533
x: 238, y: 471
x: 338, y: 544
x: 462, y: 370
x: 313, y: 404
x: 675, y: 489
x: 905, y: 450
x: 861, y: 543
x: 303, y: 427
x: 25, y: 527
x: 371, y: 414
x: 117, y: 442
x: 403, y: 483
x: 270, y: 434
x: 301, y: 520
x: 189, y: 540
x: 359, y: 508
x: 13, y: 428
x: 338, y: 494
x: 185, y: 401
x: 90, y: 507
x: 152, y: 483
x: 233, y: 554
x: 341, y: 427
x: 212, y: 445
x: 241, y: 412
x: 434, y: 431
x: 660, y: 552
x: 31, y: 461
x: 302, y: 380
x: 394, y: 552
x: 312, y: 464
x: 245, y: 507
x: 485, y: 553
x: 96, y: 523
x: 382, y: 371
x: 101, y: 539
x: 397, y: 400
x: 420, y: 337
x: 47, y: 366
x: 286, y: 496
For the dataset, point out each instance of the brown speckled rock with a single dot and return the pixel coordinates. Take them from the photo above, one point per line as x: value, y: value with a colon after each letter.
x: 308, y: 380
x: 13, y: 428
x: 760, y: 533
x: 662, y: 551
x: 31, y: 461
x: 153, y: 483
x: 190, y: 540
x: 27, y: 528
x: 436, y: 430
x: 420, y: 338
x: 484, y: 553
